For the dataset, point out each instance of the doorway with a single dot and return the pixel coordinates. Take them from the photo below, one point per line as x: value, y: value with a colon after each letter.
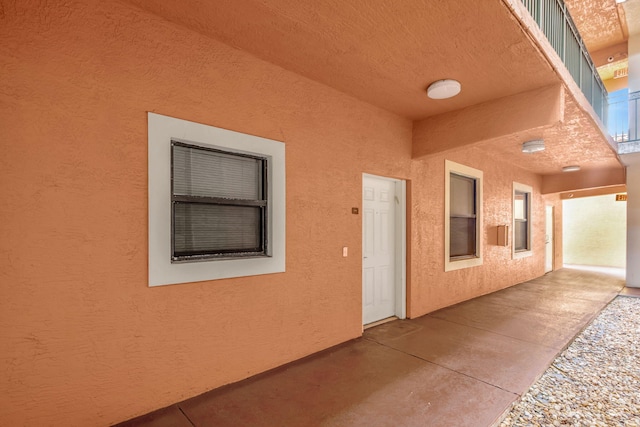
x: 548, y: 243
x: 383, y: 248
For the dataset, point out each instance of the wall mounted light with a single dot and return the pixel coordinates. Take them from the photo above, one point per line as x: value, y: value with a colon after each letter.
x: 533, y: 146
x: 573, y: 168
x: 443, y: 89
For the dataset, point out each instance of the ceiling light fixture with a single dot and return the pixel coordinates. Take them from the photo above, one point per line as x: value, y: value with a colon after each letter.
x: 573, y: 168
x: 443, y: 89
x: 620, y: 1
x: 533, y: 146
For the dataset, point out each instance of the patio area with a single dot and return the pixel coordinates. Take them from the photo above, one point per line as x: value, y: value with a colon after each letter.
x: 463, y: 365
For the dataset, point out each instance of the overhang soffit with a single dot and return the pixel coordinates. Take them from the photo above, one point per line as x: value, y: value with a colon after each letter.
x: 524, y: 112
x: 385, y: 54
x: 571, y: 137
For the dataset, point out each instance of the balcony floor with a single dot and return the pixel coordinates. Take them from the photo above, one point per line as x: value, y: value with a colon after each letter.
x: 463, y: 365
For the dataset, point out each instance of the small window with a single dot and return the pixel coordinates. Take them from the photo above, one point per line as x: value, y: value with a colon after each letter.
x: 463, y: 219
x: 219, y: 203
x: 463, y: 216
x: 216, y: 203
x: 521, y: 220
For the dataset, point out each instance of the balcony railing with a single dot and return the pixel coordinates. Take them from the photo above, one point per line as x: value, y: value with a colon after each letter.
x: 555, y: 22
x: 624, y: 117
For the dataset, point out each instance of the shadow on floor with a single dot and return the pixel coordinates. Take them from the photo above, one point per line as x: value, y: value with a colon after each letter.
x: 460, y: 366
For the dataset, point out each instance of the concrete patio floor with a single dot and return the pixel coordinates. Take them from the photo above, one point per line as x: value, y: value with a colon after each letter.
x: 460, y: 366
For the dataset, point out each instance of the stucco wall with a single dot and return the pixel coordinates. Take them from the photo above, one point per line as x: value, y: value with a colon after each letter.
x: 85, y: 340
x: 595, y: 231
x: 432, y: 288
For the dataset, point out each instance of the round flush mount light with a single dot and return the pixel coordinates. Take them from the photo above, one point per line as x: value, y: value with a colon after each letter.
x: 573, y: 168
x: 533, y: 146
x: 443, y: 89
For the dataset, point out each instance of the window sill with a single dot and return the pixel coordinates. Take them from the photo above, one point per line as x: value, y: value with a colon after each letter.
x: 215, y: 258
x: 460, y: 263
x: 522, y: 254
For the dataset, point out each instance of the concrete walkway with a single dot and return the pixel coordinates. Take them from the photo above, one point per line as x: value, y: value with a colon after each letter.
x: 460, y: 366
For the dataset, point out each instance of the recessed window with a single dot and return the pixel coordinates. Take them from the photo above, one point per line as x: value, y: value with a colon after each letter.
x: 463, y: 216
x: 216, y: 203
x: 219, y: 203
x: 521, y: 220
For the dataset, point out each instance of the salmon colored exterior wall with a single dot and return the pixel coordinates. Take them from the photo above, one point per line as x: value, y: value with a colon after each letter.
x: 431, y: 287
x: 85, y: 340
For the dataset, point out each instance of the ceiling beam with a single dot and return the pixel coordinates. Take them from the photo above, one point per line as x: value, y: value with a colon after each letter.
x: 534, y: 109
x: 585, y: 179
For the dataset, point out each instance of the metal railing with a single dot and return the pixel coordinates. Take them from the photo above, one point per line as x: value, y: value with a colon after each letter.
x: 554, y: 20
x: 624, y: 117
x: 618, y: 117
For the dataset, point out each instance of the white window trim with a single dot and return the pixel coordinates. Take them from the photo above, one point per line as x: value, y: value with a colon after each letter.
x: 523, y: 189
x: 161, y: 270
x: 452, y: 167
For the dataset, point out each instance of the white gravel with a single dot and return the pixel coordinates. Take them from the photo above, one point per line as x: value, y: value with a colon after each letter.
x: 595, y: 381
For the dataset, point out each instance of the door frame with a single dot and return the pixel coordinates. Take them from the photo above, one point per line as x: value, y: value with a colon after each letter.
x: 552, y: 247
x: 400, y: 231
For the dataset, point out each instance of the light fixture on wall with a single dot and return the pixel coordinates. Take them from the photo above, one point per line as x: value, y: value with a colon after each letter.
x: 533, y: 146
x: 443, y: 89
x: 573, y: 168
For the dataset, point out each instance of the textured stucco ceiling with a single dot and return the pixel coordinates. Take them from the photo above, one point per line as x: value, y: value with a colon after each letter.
x: 387, y: 52
x: 632, y: 13
x: 605, y: 27
x: 576, y: 140
x: 384, y: 52
x: 601, y: 23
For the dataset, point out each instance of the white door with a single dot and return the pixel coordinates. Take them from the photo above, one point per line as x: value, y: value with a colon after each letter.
x: 378, y: 249
x: 548, y: 246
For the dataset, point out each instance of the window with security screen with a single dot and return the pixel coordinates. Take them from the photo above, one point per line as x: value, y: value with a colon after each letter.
x: 219, y: 203
x: 463, y: 216
x: 463, y: 219
x: 521, y: 220
x: 216, y: 203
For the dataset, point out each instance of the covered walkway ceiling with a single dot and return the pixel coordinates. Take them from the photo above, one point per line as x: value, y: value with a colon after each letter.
x: 383, y: 52
x: 387, y: 52
x: 605, y: 26
x: 605, y: 23
x: 601, y: 23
